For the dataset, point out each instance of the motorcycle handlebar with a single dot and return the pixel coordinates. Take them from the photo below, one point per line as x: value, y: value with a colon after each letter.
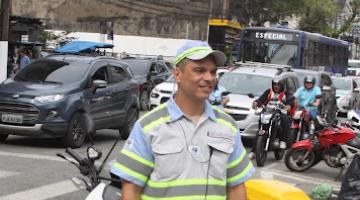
x: 73, y: 154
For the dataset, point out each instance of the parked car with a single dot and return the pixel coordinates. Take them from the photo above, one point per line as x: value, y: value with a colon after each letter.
x: 69, y: 96
x: 246, y: 83
x: 149, y: 73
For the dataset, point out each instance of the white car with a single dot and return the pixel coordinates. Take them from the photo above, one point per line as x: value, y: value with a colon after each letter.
x: 162, y: 92
x: 344, y: 93
x: 245, y: 84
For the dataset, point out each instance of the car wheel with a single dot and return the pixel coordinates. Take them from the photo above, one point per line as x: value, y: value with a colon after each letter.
x: 131, y: 119
x: 75, y: 136
x: 3, y: 137
x: 144, y: 100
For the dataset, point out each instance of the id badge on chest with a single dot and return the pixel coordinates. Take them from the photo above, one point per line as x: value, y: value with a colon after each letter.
x: 197, y: 153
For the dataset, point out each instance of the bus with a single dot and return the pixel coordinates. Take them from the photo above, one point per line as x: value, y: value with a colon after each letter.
x: 354, y: 67
x: 299, y: 49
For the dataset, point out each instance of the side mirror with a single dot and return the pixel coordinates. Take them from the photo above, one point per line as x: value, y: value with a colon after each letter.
x: 98, y: 84
x: 225, y: 93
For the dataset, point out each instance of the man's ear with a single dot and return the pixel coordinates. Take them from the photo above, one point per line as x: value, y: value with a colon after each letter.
x: 177, y: 74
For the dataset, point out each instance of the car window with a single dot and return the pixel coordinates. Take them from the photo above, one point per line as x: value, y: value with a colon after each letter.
x: 342, y: 83
x: 153, y: 68
x: 138, y: 67
x: 100, y: 74
x: 161, y: 68
x: 118, y: 74
x: 53, y: 71
x: 239, y: 83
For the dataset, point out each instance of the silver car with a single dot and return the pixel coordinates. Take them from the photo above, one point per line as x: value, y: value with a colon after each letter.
x: 246, y: 83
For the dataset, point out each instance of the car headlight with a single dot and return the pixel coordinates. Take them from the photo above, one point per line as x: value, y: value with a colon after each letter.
x: 265, y: 118
x: 49, y: 98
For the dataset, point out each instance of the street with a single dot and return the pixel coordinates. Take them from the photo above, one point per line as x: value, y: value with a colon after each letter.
x: 29, y: 167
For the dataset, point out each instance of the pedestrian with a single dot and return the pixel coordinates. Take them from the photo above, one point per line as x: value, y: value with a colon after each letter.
x: 186, y: 148
x: 24, y: 59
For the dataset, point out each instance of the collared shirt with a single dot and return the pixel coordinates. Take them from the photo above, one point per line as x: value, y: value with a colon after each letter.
x: 168, y: 154
x: 25, y: 60
x: 305, y: 97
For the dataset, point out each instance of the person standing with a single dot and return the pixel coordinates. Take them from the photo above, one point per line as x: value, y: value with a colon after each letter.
x: 24, y: 59
x: 186, y: 148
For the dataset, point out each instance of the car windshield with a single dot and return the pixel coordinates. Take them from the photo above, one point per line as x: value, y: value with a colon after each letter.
x: 53, y: 71
x: 342, y: 83
x: 139, y: 67
x: 245, y: 84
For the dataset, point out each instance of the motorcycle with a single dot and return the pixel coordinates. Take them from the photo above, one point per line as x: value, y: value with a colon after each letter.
x: 300, y: 126
x: 91, y: 180
x: 334, y: 144
x: 270, y: 126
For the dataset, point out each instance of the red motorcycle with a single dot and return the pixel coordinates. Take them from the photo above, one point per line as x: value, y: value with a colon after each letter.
x: 333, y: 144
x: 300, y: 128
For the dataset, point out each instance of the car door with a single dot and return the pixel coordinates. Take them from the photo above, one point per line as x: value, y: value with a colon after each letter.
x: 100, y: 100
x: 120, y: 87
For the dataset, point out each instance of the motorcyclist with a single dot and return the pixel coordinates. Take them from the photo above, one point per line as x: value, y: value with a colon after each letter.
x: 277, y: 93
x: 217, y: 96
x: 308, y: 97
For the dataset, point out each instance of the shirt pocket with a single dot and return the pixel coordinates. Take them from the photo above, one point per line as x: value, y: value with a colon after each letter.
x: 220, y: 150
x: 168, y: 158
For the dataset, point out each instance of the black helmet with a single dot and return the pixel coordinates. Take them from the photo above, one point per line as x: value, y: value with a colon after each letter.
x: 309, y: 79
x: 278, y: 81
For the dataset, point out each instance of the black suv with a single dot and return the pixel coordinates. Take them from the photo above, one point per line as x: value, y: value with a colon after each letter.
x: 69, y: 96
x: 149, y: 72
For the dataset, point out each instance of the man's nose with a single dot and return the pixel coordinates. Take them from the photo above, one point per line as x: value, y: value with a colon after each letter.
x: 208, y: 76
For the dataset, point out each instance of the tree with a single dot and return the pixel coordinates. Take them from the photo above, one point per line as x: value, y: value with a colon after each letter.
x: 355, y: 7
x: 317, y: 15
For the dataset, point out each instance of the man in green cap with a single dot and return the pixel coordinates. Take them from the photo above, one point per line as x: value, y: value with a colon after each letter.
x: 186, y: 148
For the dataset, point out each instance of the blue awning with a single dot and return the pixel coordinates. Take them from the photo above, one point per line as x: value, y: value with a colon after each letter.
x: 82, y: 47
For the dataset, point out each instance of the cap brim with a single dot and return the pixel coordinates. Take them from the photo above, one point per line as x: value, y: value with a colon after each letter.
x: 219, y: 56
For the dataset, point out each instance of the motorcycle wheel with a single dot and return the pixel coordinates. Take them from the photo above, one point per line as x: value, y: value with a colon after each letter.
x: 294, y: 159
x: 261, y: 153
x: 279, y: 153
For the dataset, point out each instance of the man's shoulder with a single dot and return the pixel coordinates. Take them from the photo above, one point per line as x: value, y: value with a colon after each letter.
x: 157, y: 113
x: 223, y: 116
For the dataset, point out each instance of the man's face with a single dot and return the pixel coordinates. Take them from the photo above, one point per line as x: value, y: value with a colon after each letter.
x: 308, y: 85
x: 197, y: 79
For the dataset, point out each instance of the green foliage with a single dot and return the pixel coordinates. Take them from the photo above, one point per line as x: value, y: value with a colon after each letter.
x: 318, y: 15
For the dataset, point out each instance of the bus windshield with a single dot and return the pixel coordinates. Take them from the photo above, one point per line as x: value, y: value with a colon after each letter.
x: 270, y: 52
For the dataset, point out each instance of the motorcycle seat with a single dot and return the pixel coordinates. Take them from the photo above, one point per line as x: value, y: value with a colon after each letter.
x: 354, y: 142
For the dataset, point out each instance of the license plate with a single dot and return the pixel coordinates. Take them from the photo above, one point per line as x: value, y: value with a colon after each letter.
x: 16, y: 119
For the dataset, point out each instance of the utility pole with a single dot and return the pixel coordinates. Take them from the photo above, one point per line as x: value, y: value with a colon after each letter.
x: 4, y: 37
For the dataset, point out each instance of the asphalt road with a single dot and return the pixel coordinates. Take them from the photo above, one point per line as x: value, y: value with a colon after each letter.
x: 30, y: 169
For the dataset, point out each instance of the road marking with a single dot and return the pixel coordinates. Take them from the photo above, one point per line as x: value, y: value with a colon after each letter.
x: 43, y: 192
x: 302, y: 178
x: 32, y: 156
x: 4, y: 174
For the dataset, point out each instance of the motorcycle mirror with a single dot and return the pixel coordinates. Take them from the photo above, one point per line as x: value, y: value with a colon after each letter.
x: 79, y: 183
x: 225, y: 93
x: 93, y: 153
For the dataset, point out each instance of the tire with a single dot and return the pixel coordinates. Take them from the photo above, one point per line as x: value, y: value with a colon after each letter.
x: 131, y: 119
x: 279, y: 153
x: 293, y: 160
x: 261, y: 153
x: 144, y: 100
x: 3, y: 137
x: 76, y: 134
